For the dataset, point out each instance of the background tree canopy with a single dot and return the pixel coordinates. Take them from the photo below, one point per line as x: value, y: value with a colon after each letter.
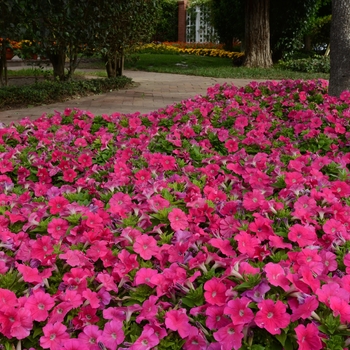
x: 290, y: 21
x: 69, y: 28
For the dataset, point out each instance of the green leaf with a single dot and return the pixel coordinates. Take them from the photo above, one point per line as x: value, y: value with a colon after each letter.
x: 194, y: 297
x: 281, y: 338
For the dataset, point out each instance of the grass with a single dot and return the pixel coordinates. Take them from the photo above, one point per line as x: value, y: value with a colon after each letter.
x: 183, y: 64
x: 210, y: 67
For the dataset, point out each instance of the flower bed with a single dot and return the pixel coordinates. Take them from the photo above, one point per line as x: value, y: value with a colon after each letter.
x: 218, y: 223
x: 191, y: 49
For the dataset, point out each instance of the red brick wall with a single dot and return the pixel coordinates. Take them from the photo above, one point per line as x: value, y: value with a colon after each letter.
x: 182, y: 20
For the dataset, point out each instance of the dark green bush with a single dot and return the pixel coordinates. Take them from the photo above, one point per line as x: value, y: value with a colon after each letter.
x: 167, y: 25
x: 53, y: 91
x: 319, y: 64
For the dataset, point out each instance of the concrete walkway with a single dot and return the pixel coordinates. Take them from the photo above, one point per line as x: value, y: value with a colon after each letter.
x: 152, y: 91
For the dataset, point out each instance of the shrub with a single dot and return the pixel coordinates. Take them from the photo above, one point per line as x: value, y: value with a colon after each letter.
x: 309, y: 65
x: 54, y: 91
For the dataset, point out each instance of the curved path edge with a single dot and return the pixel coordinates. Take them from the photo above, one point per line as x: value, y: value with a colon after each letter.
x: 151, y: 92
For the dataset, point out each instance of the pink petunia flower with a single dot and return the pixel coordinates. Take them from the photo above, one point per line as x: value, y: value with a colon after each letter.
x: 308, y: 337
x: 276, y: 276
x: 177, y: 320
x: 215, y: 317
x: 302, y: 307
x: 89, y: 336
x: 54, y: 336
x: 112, y: 335
x: 57, y: 228
x: 147, y: 340
x: 144, y: 276
x: 230, y: 336
x: 239, y: 311
x: 39, y: 304
x: 57, y: 204
x: 303, y: 235
x: 146, y: 246
x: 215, y: 292
x: 272, y: 316
x: 178, y: 219
x: 76, y: 344
x: 253, y: 200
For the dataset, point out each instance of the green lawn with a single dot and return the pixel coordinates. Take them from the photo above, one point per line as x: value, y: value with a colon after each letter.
x: 209, y: 67
x: 187, y: 64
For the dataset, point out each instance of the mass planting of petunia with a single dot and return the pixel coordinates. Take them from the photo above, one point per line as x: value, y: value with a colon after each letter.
x: 221, y: 222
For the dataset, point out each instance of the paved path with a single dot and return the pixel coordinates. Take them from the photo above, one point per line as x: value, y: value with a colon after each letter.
x: 152, y: 92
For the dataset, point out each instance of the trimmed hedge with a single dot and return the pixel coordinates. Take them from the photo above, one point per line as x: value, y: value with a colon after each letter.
x: 55, y: 91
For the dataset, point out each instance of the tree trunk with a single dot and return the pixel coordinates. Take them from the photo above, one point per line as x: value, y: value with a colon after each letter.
x: 307, y: 43
x: 111, y: 66
x: 257, y: 34
x: 58, y: 61
x: 340, y: 53
x: 3, y: 66
x: 114, y: 66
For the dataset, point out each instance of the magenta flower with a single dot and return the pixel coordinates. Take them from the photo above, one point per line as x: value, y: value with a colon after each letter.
x: 215, y: 317
x: 178, y: 219
x: 89, y: 336
x: 39, y: 304
x: 253, y: 200
x: 177, y: 320
x: 340, y: 307
x: 16, y: 323
x: 145, y: 246
x: 272, y: 316
x: 144, y: 276
x: 69, y: 175
x: 57, y: 204
x: 276, y: 275
x: 148, y: 340
x: 57, y: 228
x: 149, y: 310
x: 303, y: 235
x: 112, y: 335
x: 54, y: 336
x: 230, y: 336
x: 215, y: 292
x: 239, y: 311
x: 308, y: 337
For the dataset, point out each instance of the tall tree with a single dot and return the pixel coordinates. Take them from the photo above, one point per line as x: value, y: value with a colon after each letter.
x: 61, y: 28
x: 340, y: 48
x: 257, y: 34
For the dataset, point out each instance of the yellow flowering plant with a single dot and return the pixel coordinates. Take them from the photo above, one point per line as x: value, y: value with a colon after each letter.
x: 199, y: 49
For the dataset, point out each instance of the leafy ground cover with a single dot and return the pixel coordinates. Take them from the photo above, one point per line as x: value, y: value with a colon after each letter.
x: 49, y: 91
x: 220, y: 222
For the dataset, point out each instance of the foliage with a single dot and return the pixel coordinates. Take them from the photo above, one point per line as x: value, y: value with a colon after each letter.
x: 228, y: 20
x: 289, y: 21
x: 220, y: 221
x: 167, y: 26
x: 317, y: 64
x: 53, y: 91
x: 119, y: 26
